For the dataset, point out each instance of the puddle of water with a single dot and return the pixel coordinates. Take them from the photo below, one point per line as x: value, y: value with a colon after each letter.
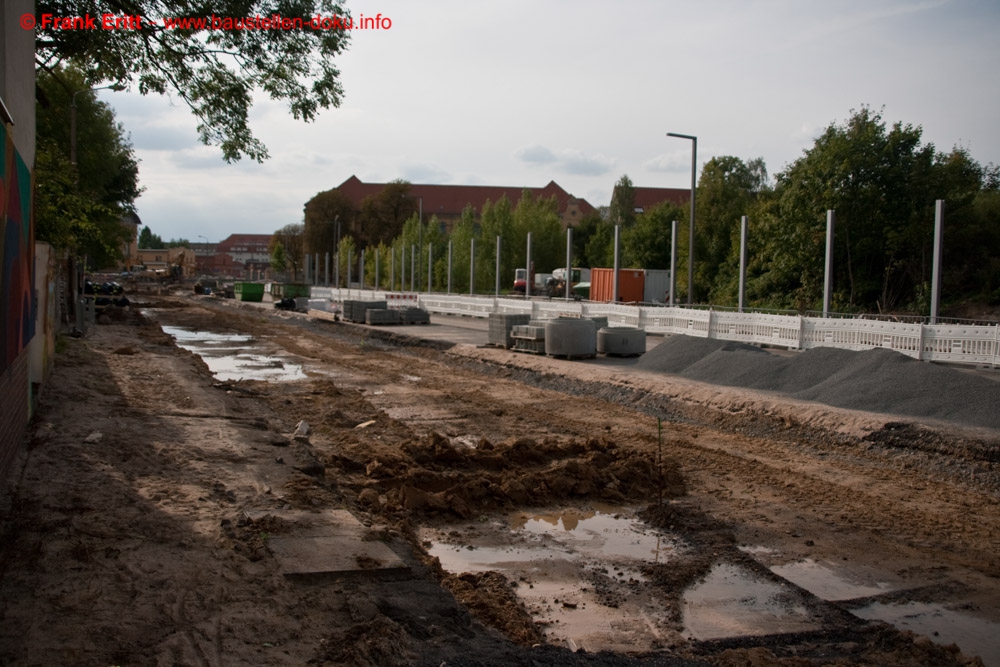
x: 232, y: 356
x: 826, y: 583
x: 559, y: 560
x: 599, y: 534
x: 975, y: 636
x: 731, y: 602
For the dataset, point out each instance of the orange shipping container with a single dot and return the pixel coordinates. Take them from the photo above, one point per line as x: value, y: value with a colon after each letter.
x: 631, y: 283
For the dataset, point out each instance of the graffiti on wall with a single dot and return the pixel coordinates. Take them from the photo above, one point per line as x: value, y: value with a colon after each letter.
x: 16, y: 253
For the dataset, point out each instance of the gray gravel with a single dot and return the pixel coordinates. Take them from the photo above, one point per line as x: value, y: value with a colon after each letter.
x: 875, y: 380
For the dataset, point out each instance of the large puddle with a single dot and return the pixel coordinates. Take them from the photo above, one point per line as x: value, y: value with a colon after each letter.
x: 579, y: 574
x: 236, y: 356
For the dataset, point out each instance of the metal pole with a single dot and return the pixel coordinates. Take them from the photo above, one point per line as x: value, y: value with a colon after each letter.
x: 472, y: 268
x: 694, y: 177
x: 336, y: 268
x: 673, y: 261
x: 420, y: 243
x: 377, y: 253
x: 413, y: 267
x: 326, y: 269
x: 316, y: 277
x: 449, y: 267
x: 350, y: 259
x: 828, y: 270
x: 743, y: 261
x: 497, y: 288
x: 392, y: 269
x: 569, y: 259
x: 430, y: 266
x: 527, y: 272
x: 614, y: 277
x: 361, y: 270
x: 402, y: 269
x: 936, y: 266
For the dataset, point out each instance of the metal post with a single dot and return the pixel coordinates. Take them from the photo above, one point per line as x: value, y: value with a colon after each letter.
x: 694, y: 178
x: 743, y: 261
x: 472, y: 268
x: 673, y: 261
x: 392, y: 269
x: 430, y: 266
x: 326, y: 269
x: 336, y: 267
x: 402, y: 269
x: 449, y: 267
x: 828, y: 270
x: 413, y: 267
x: 377, y: 253
x: 614, y: 277
x: 350, y: 259
x: 497, y: 289
x: 528, y: 277
x: 569, y: 259
x: 420, y: 243
x: 316, y: 277
x: 936, y: 265
x: 361, y: 270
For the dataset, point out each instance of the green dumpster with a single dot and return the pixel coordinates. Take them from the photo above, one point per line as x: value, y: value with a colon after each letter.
x: 249, y: 291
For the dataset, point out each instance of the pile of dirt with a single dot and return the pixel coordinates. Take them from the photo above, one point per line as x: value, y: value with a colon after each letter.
x: 436, y: 477
x: 875, y: 380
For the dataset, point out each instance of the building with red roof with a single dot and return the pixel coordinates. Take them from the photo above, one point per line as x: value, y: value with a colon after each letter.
x: 448, y: 201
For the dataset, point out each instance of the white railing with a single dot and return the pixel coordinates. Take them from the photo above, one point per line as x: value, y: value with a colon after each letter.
x: 964, y: 344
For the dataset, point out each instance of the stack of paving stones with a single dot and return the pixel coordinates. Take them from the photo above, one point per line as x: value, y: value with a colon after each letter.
x: 501, y: 326
x: 876, y: 380
x: 529, y: 337
x: 382, y: 316
x: 412, y: 315
x: 354, y: 310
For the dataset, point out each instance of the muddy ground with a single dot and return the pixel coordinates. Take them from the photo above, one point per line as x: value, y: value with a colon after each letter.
x: 138, y: 526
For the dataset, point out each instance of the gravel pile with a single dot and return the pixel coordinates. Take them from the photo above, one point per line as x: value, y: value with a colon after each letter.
x: 875, y: 380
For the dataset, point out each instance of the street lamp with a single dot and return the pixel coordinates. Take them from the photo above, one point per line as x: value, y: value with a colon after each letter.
x: 694, y: 166
x: 72, y: 117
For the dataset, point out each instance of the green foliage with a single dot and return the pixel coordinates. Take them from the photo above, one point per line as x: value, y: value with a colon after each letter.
x: 279, y: 260
x: 382, y: 216
x: 291, y: 239
x: 322, y: 216
x: 79, y: 208
x: 646, y: 244
x: 148, y: 240
x: 622, y: 210
x: 69, y: 218
x: 215, y: 72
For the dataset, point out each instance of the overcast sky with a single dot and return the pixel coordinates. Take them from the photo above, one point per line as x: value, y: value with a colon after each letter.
x: 521, y: 92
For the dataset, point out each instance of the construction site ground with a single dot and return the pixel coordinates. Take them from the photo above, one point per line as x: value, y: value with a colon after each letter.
x: 389, y: 497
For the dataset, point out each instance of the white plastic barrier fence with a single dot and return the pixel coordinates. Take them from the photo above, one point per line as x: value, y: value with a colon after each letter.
x: 953, y: 343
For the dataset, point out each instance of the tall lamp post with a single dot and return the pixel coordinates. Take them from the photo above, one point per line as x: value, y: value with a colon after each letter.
x: 420, y: 241
x: 72, y: 117
x: 694, y: 175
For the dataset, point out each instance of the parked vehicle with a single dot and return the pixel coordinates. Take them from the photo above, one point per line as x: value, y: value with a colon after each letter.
x: 556, y: 285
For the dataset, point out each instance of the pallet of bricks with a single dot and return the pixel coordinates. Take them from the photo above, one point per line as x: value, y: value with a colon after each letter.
x: 356, y: 310
x: 501, y: 326
x: 529, y: 337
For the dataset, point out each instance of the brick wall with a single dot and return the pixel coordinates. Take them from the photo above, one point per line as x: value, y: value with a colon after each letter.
x: 15, y: 390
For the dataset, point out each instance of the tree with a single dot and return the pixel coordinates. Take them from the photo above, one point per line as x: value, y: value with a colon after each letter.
x: 646, y: 244
x: 727, y: 190
x: 382, y: 216
x: 147, y: 239
x: 212, y: 67
x: 622, y: 210
x: 322, y: 214
x: 79, y: 208
x: 882, y: 183
x: 291, y: 238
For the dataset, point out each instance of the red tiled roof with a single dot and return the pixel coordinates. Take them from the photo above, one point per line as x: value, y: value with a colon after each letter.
x: 647, y: 198
x: 450, y: 200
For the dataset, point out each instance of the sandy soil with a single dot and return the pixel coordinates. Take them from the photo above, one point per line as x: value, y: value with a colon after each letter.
x: 127, y: 534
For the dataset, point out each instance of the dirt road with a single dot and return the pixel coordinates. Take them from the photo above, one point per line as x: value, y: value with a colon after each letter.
x: 146, y: 520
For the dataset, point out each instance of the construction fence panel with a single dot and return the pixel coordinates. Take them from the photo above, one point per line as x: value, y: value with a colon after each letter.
x: 860, y: 334
x: 962, y: 344
x: 618, y: 315
x: 757, y: 328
